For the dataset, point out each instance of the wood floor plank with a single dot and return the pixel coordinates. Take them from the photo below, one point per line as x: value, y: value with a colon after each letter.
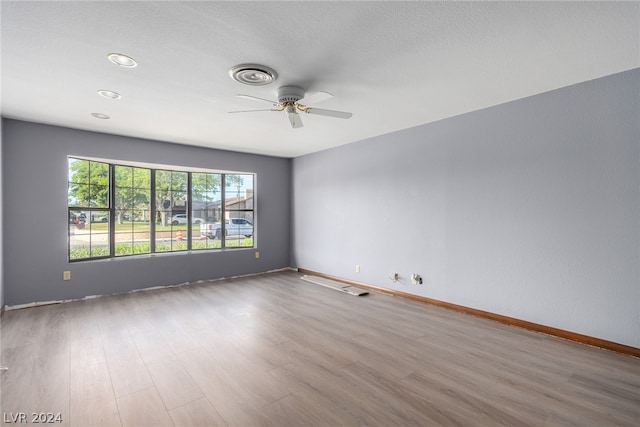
x: 173, y: 382
x: 143, y: 408
x: 128, y: 375
x: 151, y: 346
x: 292, y: 407
x: 199, y: 413
x: 93, y: 402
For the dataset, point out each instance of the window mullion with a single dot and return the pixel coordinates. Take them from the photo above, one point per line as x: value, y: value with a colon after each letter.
x: 223, y: 212
x: 112, y: 214
x: 154, y: 214
x: 189, y: 212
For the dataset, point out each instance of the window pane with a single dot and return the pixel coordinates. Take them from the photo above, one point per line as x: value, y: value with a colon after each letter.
x: 88, y: 234
x: 171, y: 238
x: 141, y: 178
x: 205, y: 186
x: 124, y: 176
x: 72, y: 199
x: 179, y: 181
x: 78, y: 248
x: 99, y: 196
x: 141, y: 219
x: 239, y: 192
x: 123, y: 198
x: 239, y: 230
x: 78, y: 195
x: 99, y: 232
x: 163, y: 180
x: 98, y: 173
x: 78, y: 171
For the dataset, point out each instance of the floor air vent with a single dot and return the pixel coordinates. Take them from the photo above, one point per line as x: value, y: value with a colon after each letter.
x: 332, y: 284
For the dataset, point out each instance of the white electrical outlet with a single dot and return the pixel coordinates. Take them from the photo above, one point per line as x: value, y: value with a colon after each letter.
x: 257, y: 254
x: 357, y: 268
x: 66, y: 275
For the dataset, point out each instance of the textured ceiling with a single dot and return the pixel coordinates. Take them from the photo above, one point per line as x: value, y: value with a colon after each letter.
x: 392, y: 64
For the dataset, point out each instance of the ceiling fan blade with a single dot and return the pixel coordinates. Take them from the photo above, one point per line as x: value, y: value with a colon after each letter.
x: 251, y: 111
x: 328, y: 113
x: 255, y: 98
x: 296, y: 121
x: 317, y: 97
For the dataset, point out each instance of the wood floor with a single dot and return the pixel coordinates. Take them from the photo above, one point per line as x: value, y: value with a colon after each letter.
x: 273, y: 350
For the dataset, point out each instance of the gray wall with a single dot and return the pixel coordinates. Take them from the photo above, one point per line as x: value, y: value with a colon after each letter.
x: 529, y: 209
x: 35, y: 201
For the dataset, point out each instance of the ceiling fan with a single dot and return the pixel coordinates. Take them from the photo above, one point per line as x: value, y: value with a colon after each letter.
x: 288, y: 97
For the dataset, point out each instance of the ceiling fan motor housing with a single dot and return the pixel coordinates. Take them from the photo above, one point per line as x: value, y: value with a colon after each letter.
x: 290, y: 94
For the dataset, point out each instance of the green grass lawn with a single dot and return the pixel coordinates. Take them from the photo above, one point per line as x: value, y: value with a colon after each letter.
x: 138, y: 248
x: 138, y: 226
x: 132, y: 239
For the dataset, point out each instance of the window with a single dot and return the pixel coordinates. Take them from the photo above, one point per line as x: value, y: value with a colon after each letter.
x: 132, y: 210
x: 88, y: 201
x: 206, y: 209
x: 171, y: 195
x: 238, y: 202
x: 121, y: 210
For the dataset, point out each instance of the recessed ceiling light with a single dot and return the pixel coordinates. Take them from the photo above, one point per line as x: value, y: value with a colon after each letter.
x: 253, y: 74
x: 122, y: 60
x: 109, y: 94
x: 100, y: 116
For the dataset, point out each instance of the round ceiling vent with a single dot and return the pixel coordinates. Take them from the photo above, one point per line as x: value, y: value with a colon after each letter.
x: 253, y: 74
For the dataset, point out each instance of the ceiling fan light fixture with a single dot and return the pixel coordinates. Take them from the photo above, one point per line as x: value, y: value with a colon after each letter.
x: 253, y: 74
x: 122, y: 60
x: 290, y: 94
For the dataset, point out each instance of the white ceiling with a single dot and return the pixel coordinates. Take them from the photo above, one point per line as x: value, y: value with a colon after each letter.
x: 392, y: 64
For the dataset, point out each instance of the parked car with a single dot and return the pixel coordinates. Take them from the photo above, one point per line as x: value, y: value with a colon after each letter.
x: 232, y: 227
x: 79, y: 220
x: 182, y: 219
